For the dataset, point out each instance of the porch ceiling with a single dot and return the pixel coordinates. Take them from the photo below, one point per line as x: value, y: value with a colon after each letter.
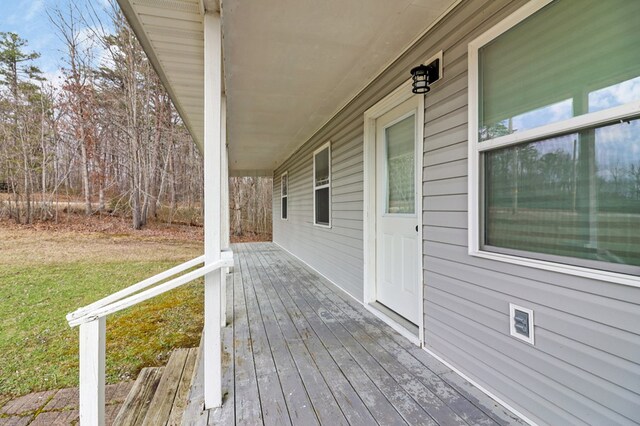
x: 290, y: 65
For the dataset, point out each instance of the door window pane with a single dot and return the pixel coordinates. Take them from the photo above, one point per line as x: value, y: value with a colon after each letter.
x: 576, y: 195
x: 566, y: 60
x: 400, y: 151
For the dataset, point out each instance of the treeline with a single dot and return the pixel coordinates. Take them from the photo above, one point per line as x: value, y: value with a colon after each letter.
x: 105, y: 139
x: 106, y: 134
x: 250, y: 205
x: 566, y: 178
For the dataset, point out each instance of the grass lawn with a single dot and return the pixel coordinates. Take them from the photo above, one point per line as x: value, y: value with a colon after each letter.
x: 47, y: 273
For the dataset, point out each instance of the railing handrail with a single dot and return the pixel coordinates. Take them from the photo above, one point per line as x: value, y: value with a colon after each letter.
x: 114, y: 297
x: 118, y: 301
x: 92, y: 320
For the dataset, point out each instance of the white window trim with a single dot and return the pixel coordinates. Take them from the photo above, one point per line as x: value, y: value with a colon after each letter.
x: 567, y: 126
x: 284, y: 196
x: 326, y: 185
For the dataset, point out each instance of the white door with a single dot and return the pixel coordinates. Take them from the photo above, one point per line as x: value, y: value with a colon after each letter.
x: 397, y: 209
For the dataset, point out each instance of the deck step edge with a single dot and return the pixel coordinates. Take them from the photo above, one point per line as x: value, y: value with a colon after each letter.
x: 136, y: 405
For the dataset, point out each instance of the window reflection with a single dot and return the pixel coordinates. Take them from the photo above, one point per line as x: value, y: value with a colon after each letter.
x: 576, y: 195
x: 322, y: 167
x: 529, y: 120
x: 609, y: 97
x: 615, y: 95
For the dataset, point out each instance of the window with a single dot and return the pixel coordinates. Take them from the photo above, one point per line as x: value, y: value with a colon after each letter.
x: 400, y: 166
x: 554, y: 138
x: 284, y: 195
x: 322, y: 186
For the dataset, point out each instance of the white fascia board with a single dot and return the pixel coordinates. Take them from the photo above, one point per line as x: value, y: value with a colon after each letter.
x: 138, y: 28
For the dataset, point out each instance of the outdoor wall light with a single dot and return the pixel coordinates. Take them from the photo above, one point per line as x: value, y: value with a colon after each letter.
x: 424, y: 75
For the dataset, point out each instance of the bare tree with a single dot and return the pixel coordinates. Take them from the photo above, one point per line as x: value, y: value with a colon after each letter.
x: 250, y: 205
x: 22, y: 119
x: 109, y: 132
x: 77, y: 101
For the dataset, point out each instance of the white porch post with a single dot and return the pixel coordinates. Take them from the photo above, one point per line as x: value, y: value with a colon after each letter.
x: 92, y: 366
x: 212, y: 350
x: 224, y: 177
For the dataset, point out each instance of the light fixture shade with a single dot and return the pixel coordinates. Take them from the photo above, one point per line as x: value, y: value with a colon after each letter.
x: 424, y: 75
x: 420, y: 75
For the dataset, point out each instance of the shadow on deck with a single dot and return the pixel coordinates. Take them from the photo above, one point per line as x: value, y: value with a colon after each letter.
x: 299, y: 351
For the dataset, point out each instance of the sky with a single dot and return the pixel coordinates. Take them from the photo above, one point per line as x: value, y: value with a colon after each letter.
x: 617, y: 145
x: 28, y: 18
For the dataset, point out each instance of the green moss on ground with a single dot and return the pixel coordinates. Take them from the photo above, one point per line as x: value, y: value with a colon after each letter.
x: 38, y: 350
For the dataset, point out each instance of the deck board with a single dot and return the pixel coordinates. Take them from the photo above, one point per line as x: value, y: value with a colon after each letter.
x: 300, y: 351
x: 194, y: 414
x: 381, y: 394
x: 431, y: 392
x: 407, y: 407
x: 297, y: 405
x: 315, y: 384
x: 351, y: 405
x: 226, y: 414
x: 180, y: 403
x: 164, y: 398
x: 248, y: 409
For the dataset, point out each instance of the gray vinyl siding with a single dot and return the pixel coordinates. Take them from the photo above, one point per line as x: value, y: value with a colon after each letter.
x: 335, y: 252
x: 585, y: 365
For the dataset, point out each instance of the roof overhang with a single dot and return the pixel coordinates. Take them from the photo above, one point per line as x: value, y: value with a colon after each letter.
x: 289, y: 66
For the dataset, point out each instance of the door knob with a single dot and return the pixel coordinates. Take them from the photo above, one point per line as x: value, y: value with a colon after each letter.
x: 416, y: 228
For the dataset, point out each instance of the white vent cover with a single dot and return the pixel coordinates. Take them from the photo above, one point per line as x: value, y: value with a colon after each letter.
x: 521, y: 323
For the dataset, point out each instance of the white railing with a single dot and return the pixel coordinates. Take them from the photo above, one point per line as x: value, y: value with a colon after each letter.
x: 92, y: 322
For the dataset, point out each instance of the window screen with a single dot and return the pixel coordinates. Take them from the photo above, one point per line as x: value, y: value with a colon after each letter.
x: 575, y: 195
x: 571, y: 196
x: 568, y: 59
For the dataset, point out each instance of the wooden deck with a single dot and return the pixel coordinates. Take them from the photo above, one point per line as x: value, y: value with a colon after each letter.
x: 299, y: 351
x: 159, y: 394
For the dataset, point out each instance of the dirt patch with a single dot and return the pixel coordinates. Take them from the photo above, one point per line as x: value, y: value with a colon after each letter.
x: 101, y: 239
x: 95, y: 239
x: 250, y: 238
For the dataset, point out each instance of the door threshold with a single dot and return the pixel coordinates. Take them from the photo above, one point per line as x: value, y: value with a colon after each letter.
x: 400, y: 324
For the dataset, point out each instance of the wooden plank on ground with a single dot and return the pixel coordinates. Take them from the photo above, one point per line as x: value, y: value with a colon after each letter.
x: 387, y: 404
x: 302, y: 352
x: 182, y: 393
x: 194, y: 414
x: 442, y: 413
x: 135, y: 407
x: 442, y: 401
x: 299, y: 404
x: 165, y: 394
